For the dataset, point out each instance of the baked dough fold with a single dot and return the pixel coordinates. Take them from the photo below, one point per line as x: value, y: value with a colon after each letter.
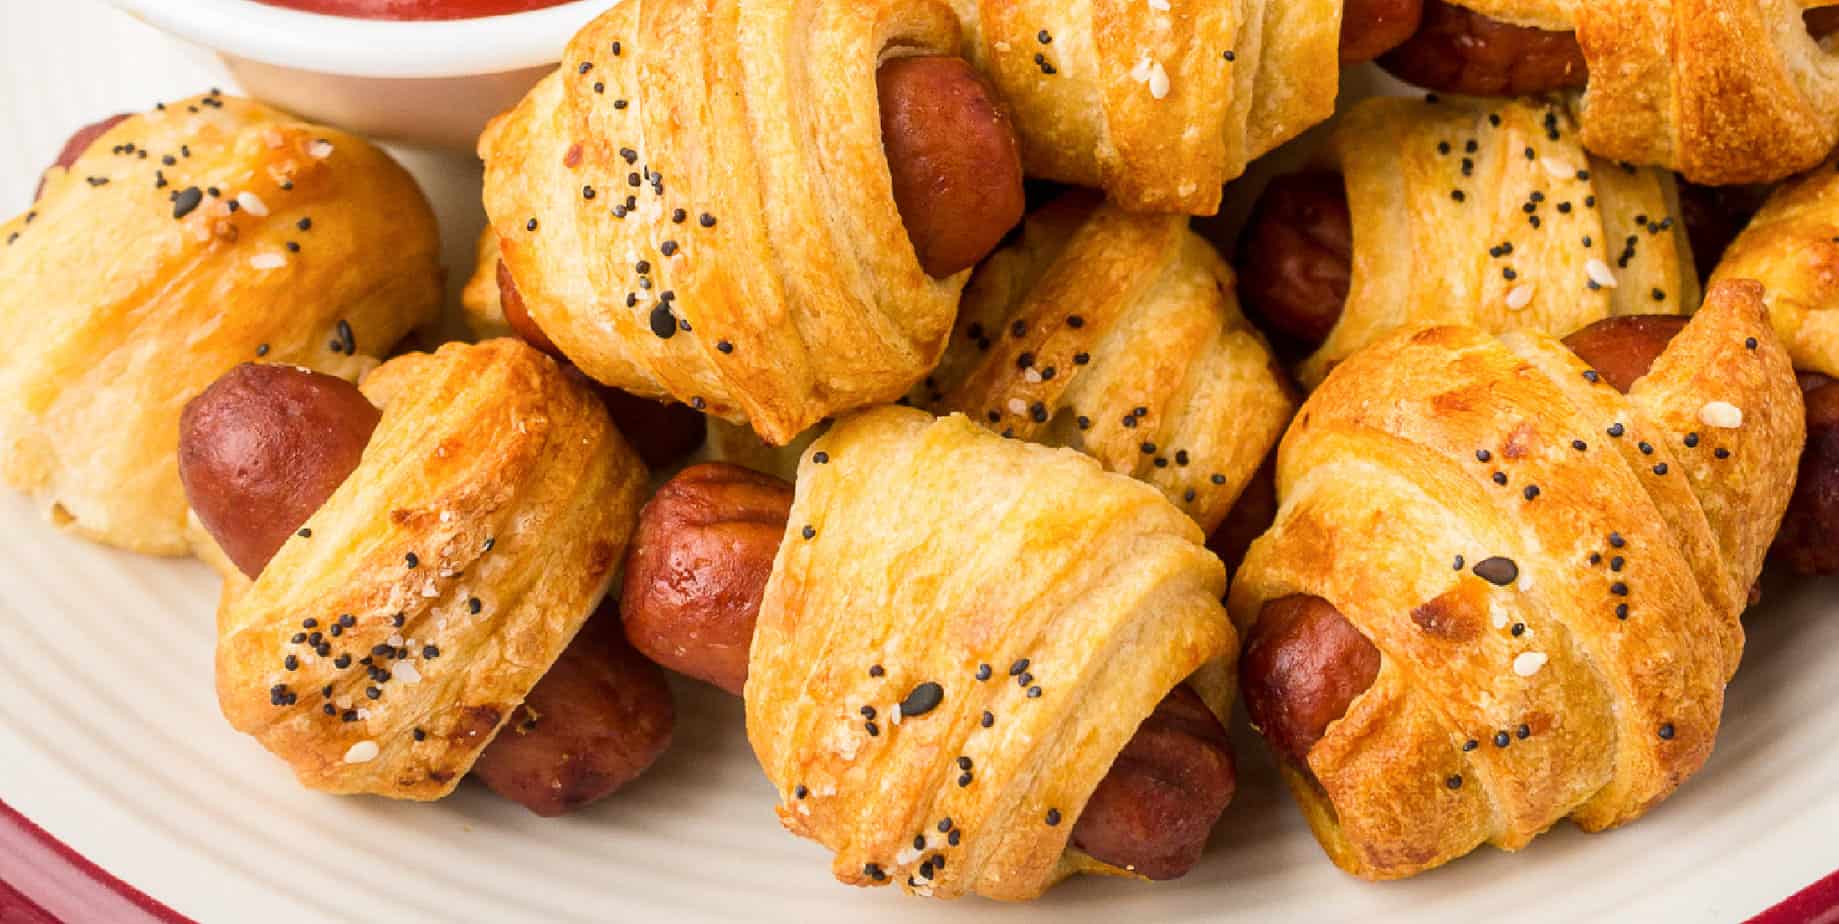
x: 1157, y: 104
x: 209, y: 232
x: 1792, y: 248
x: 447, y: 573
x: 696, y: 206
x: 1490, y: 213
x: 921, y: 554
x: 1555, y: 644
x: 1118, y: 335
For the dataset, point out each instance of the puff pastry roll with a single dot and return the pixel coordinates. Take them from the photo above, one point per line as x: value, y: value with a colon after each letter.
x: 922, y: 558
x: 1118, y: 335
x: 180, y: 242
x: 697, y: 204
x: 389, y: 640
x: 1792, y: 248
x: 1722, y: 91
x: 1547, y: 573
x: 1486, y: 213
x: 1157, y: 104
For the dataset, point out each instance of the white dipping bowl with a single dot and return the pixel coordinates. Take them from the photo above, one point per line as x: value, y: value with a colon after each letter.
x: 432, y: 83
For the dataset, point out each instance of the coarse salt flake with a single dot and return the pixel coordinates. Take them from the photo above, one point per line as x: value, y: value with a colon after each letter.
x: 1527, y: 663
x: 405, y: 672
x: 1033, y: 376
x: 1721, y: 414
x: 320, y: 149
x: 252, y: 203
x: 363, y: 752
x: 1018, y: 406
x: 1160, y: 6
x: 267, y: 261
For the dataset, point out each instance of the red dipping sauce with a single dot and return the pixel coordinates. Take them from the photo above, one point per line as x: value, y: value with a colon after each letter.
x: 415, y: 9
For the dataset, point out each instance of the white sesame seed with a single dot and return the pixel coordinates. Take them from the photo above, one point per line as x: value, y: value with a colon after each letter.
x: 320, y: 149
x: 1001, y: 46
x: 405, y: 672
x: 1557, y: 168
x: 395, y: 640
x: 363, y: 752
x: 1161, y: 6
x: 1498, y: 615
x: 1721, y: 414
x: 1528, y: 663
x: 1018, y: 406
x: 267, y: 261
x: 893, y: 713
x: 1520, y: 296
x: 1033, y: 375
x: 252, y: 203
x: 1600, y: 274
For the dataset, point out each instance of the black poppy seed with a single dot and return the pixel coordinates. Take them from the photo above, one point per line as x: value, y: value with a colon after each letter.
x: 1616, y: 430
x: 1497, y: 570
x: 298, y: 638
x: 1025, y: 360
x: 411, y: 560
x: 1458, y: 563
x: 1692, y: 441
x: 291, y: 663
x: 983, y: 672
x: 1616, y: 540
x: 1020, y: 665
x: 1188, y: 495
x: 1502, y: 739
x: 473, y: 605
x: 344, y: 661
x: 1130, y: 422
x: 1149, y: 449
x: 398, y: 619
x: 1075, y: 321
x: 1564, y: 208
x: 964, y: 779
x: 1592, y: 376
x: 663, y: 323
x: 1721, y: 452
x: 1660, y: 468
x: 1500, y: 478
x: 1483, y: 455
x: 1034, y: 692
x: 323, y: 650
x: 382, y: 649
x: 1229, y: 55
x: 1531, y: 492
x: 1621, y: 611
x: 988, y: 719
x: 668, y: 248
x: 1579, y: 445
x: 919, y: 842
x: 530, y: 225
x: 1750, y: 344
x: 1596, y: 558
x: 876, y: 670
x: 1454, y: 782
x: 1616, y: 563
x: 1037, y: 412
x: 1519, y: 629
x: 1619, y: 588
x: 1458, y: 195
x: 1666, y: 732
x: 304, y: 532
x: 874, y: 731
x: 329, y: 709
x: 373, y: 692
x: 952, y: 837
x: 1217, y: 478
x: 1025, y: 679
x: 1509, y: 274
x: 923, y: 699
x: 1018, y: 329
x: 1053, y: 817
x: 1470, y: 744
x: 1647, y: 448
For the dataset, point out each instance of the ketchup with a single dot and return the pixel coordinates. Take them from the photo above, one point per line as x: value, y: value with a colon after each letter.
x: 415, y: 9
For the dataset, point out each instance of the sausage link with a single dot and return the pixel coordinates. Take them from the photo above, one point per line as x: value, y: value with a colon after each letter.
x: 1822, y: 21
x: 599, y: 717
x: 518, y: 316
x: 78, y: 143
x: 1370, y: 28
x: 262, y: 448
x: 696, y: 573
x: 1296, y: 257
x: 1622, y: 349
x: 1251, y: 515
x: 953, y: 157
x: 1303, y: 666
x: 1458, y: 50
x: 1714, y: 216
x: 1154, y: 809
x: 1809, y: 538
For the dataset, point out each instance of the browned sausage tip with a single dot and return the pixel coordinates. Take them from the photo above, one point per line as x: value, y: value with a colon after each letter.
x: 1809, y: 538
x: 1622, y: 349
x: 953, y: 157
x: 1370, y: 28
x: 597, y: 719
x: 1155, y: 807
x: 1303, y: 666
x: 78, y: 143
x: 517, y: 314
x: 1296, y: 257
x: 262, y: 448
x: 1458, y: 50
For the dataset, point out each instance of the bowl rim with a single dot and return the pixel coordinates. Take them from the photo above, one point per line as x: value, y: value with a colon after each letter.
x: 352, y: 47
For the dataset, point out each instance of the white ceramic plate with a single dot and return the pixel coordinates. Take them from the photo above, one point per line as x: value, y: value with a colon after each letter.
x: 111, y: 740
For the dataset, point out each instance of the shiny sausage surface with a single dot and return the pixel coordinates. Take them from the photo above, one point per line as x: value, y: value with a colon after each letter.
x: 1809, y: 538
x: 1296, y: 258
x: 1370, y: 28
x: 1458, y: 50
x: 262, y: 448
x: 695, y: 576
x: 597, y: 719
x: 953, y: 157
x: 1304, y: 665
x: 1622, y: 349
x: 78, y: 143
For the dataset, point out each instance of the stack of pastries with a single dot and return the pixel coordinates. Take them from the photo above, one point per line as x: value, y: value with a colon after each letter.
x: 1492, y: 413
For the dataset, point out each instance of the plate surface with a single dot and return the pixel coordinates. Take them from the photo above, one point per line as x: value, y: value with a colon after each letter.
x: 111, y: 740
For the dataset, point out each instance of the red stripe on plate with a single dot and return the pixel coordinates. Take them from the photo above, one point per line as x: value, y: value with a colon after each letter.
x: 43, y: 881
x: 1816, y: 904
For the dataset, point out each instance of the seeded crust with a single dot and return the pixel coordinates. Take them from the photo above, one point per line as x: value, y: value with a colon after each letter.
x: 1434, y: 244
x: 1792, y: 248
x: 121, y: 312
x: 1082, y: 101
x: 934, y: 546
x: 1722, y: 91
x: 507, y: 481
x: 1383, y: 484
x: 1131, y: 348
x: 767, y: 123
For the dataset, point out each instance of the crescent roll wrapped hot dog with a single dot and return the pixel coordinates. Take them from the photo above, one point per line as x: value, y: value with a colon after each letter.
x: 760, y: 209
x: 1458, y: 211
x: 1118, y: 335
x: 959, y: 635
x: 1500, y: 591
x: 165, y: 248
x: 1722, y: 91
x: 393, y: 635
x: 1157, y: 104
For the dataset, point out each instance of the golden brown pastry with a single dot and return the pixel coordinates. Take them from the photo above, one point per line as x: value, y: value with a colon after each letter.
x: 927, y: 563
x: 1158, y: 104
x: 1490, y: 213
x: 1528, y: 581
x: 208, y: 232
x: 698, y: 205
x: 1722, y: 91
x: 1792, y: 248
x: 490, y: 508
x: 1118, y: 335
